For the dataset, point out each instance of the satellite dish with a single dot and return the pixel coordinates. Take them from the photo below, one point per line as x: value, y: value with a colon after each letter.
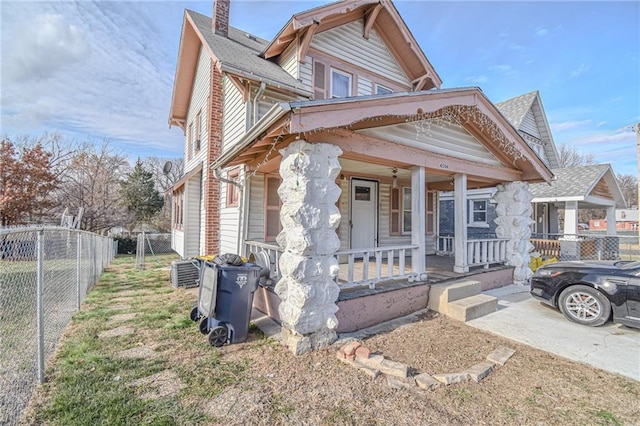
x: 167, y: 167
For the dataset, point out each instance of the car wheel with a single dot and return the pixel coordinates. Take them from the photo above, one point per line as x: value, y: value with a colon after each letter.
x: 584, y: 305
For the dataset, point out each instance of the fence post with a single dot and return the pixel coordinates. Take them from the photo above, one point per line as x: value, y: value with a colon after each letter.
x: 39, y: 301
x: 78, y: 262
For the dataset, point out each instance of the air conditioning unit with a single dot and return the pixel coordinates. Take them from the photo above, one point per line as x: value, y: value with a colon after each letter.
x: 185, y: 273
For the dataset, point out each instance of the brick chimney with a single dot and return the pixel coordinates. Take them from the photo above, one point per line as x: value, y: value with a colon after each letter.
x: 220, y: 20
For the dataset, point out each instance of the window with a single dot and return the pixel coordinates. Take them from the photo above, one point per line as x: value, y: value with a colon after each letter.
x: 340, y: 84
x: 198, y: 135
x: 478, y: 212
x: 233, y: 192
x: 406, y: 210
x: 381, y: 90
x: 430, y: 216
x: 178, y: 211
x: 189, y: 141
x: 318, y: 80
x: 272, y: 225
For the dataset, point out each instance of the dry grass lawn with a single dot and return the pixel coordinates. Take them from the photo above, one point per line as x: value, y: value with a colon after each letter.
x: 164, y: 372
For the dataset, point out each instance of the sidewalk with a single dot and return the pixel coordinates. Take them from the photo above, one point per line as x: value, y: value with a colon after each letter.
x: 612, y: 347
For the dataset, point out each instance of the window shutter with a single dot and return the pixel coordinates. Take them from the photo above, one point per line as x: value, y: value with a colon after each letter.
x: 319, y: 84
x: 395, y: 212
x: 272, y: 225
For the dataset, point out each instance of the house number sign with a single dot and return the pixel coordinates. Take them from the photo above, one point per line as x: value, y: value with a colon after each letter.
x: 444, y: 166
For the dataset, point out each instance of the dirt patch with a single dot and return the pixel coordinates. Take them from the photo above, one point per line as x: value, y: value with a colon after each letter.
x: 144, y: 352
x: 163, y: 384
x: 122, y: 317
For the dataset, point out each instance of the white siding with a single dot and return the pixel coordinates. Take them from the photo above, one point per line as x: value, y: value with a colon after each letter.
x: 365, y: 86
x: 346, y: 43
x: 289, y: 59
x: 177, y: 241
x: 193, y: 190
x: 268, y: 99
x: 255, y: 230
x: 451, y: 140
x: 229, y: 219
x: 529, y: 125
x: 384, y: 239
x: 306, y: 71
x: 199, y: 96
x: 234, y: 115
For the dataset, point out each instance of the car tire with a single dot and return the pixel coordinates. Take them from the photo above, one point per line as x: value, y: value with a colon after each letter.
x: 584, y: 305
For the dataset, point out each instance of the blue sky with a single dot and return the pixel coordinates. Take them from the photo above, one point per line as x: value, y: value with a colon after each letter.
x: 105, y: 69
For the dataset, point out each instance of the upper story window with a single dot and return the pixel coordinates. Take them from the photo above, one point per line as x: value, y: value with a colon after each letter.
x: 382, y: 90
x: 340, y: 84
x: 233, y: 192
x: 478, y: 212
x: 198, y: 135
x: 190, y: 141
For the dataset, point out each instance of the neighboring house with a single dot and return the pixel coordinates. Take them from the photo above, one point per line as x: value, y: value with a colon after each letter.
x: 626, y: 220
x: 337, y: 129
x: 585, y: 187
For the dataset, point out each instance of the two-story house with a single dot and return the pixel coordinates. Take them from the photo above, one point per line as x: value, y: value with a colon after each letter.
x: 325, y: 146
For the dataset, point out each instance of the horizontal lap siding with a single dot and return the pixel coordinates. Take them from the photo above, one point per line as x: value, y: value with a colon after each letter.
x: 234, y: 121
x: 199, y: 96
x: 529, y: 125
x: 289, y: 59
x: 229, y: 218
x: 450, y: 140
x: 346, y: 43
x: 192, y: 216
x: 269, y: 98
x: 364, y: 86
x: 305, y: 71
x: 177, y: 241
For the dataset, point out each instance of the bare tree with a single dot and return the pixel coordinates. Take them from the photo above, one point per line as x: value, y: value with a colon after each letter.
x: 165, y: 177
x: 93, y: 183
x: 629, y: 187
x: 570, y: 157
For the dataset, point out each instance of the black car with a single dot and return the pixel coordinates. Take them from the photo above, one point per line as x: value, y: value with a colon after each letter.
x: 590, y: 293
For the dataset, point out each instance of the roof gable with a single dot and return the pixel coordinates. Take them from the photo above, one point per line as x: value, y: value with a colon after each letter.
x: 526, y: 114
x: 595, y: 185
x: 376, y: 14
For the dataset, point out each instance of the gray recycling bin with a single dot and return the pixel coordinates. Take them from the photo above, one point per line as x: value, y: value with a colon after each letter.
x: 224, y: 301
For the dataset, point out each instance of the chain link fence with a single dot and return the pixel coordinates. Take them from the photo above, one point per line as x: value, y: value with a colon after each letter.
x: 45, y: 273
x: 587, y: 246
x: 152, y: 245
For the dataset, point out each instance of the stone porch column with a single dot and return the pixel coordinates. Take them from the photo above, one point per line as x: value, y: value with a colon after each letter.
x: 309, y: 217
x: 514, y: 210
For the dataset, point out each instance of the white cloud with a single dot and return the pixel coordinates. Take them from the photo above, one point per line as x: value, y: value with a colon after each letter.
x: 602, y: 123
x: 568, y: 125
x: 507, y: 70
x: 44, y: 46
x: 620, y: 135
x: 477, y: 79
x: 541, y: 31
x: 581, y: 70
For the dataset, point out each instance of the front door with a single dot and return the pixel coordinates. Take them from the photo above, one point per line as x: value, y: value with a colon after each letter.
x: 364, y: 214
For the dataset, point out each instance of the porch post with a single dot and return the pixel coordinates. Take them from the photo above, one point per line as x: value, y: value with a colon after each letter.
x: 309, y: 217
x: 611, y: 220
x: 418, y: 214
x: 570, y: 218
x: 514, y: 221
x: 460, y: 227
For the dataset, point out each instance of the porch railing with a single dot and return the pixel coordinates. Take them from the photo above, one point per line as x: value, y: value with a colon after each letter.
x: 486, y: 252
x: 480, y: 252
x: 373, y: 265
x: 357, y: 267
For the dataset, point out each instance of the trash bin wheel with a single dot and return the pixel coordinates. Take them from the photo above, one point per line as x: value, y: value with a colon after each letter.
x: 218, y: 336
x: 204, y: 325
x: 195, y: 314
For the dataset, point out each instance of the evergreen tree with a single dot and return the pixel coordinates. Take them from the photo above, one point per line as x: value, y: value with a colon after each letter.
x: 139, y: 194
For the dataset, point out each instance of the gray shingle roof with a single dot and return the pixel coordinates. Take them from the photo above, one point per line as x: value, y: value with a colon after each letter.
x: 570, y: 182
x: 239, y: 54
x: 515, y: 109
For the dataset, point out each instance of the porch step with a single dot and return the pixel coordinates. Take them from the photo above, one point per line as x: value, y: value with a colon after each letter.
x: 472, y: 307
x: 441, y: 295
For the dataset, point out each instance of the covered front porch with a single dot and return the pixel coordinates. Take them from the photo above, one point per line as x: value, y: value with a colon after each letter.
x: 350, y: 202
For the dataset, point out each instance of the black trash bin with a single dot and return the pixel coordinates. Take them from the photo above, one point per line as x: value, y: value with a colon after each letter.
x: 224, y: 301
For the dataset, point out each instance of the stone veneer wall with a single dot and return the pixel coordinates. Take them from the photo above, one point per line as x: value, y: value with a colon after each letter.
x: 309, y: 219
x: 514, y: 210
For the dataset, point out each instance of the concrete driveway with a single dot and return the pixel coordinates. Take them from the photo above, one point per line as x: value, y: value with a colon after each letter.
x: 612, y: 347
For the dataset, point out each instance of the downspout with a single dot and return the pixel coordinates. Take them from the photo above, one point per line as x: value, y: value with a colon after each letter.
x: 255, y: 102
x: 218, y: 175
